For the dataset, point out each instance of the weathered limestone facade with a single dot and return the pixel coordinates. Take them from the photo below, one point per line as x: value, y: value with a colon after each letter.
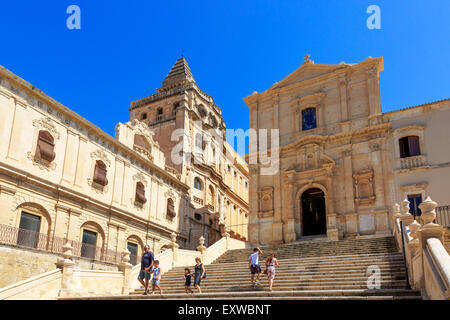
x: 122, y: 190
x: 216, y: 175
x: 339, y: 164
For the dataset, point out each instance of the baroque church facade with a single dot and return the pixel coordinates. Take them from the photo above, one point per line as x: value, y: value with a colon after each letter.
x: 342, y: 162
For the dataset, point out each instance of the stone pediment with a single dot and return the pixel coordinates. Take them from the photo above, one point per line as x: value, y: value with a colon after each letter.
x: 309, y: 71
x: 142, y: 129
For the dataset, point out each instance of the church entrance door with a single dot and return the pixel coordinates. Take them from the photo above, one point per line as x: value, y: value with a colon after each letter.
x: 314, y: 220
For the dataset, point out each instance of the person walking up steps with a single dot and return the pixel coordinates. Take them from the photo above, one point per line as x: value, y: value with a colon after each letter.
x: 253, y: 263
x: 199, y: 274
x: 271, y: 262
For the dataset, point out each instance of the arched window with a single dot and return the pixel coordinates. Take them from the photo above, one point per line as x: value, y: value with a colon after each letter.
x: 309, y: 120
x: 100, y: 173
x: 140, y: 193
x: 198, y: 184
x: 409, y: 146
x: 143, y: 116
x: 45, y: 146
x: 171, y: 209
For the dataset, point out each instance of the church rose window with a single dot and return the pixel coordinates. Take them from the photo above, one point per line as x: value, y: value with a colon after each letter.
x: 309, y: 120
x: 45, y: 146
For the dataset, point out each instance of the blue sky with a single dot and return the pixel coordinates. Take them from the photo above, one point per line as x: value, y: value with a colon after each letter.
x: 125, y: 48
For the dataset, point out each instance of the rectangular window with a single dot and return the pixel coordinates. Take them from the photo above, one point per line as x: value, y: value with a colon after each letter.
x: 309, y: 120
x: 29, y: 230
x: 133, y: 248
x: 89, y: 244
x: 409, y: 146
x: 414, y: 201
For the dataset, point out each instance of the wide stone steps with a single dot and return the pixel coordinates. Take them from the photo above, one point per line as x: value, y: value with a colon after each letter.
x: 340, y: 294
x: 308, y: 270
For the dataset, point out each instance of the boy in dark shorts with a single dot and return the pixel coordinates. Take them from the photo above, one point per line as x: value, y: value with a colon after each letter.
x: 187, y: 283
x: 253, y: 263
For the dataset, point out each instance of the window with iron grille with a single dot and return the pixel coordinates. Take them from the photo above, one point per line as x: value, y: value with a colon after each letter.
x: 29, y: 228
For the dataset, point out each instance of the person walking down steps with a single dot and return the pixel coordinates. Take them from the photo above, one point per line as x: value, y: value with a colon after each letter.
x: 187, y: 282
x: 200, y: 273
x: 253, y: 263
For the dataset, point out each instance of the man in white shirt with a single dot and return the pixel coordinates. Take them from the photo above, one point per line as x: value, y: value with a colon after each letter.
x: 253, y: 263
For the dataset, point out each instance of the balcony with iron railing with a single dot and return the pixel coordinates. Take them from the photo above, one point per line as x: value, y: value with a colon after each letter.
x: 39, y: 241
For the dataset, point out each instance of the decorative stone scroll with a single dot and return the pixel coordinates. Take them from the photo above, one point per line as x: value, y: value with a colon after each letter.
x: 100, y: 154
x: 47, y: 124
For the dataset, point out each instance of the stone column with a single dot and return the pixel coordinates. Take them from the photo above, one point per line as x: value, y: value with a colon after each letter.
x: 343, y: 102
x: 289, y: 228
x: 67, y: 266
x: 373, y: 94
x: 348, y: 180
x: 125, y: 266
x: 377, y: 164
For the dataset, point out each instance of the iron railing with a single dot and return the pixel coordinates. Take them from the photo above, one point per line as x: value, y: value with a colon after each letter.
x: 443, y: 216
x: 40, y: 241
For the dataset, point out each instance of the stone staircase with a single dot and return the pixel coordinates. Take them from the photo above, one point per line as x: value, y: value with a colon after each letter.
x: 309, y: 270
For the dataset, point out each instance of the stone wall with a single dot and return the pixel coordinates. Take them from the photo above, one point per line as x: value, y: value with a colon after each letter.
x: 18, y: 264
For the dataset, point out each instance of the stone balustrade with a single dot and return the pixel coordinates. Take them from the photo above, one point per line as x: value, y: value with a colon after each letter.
x: 427, y: 260
x: 68, y: 281
x: 412, y: 162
